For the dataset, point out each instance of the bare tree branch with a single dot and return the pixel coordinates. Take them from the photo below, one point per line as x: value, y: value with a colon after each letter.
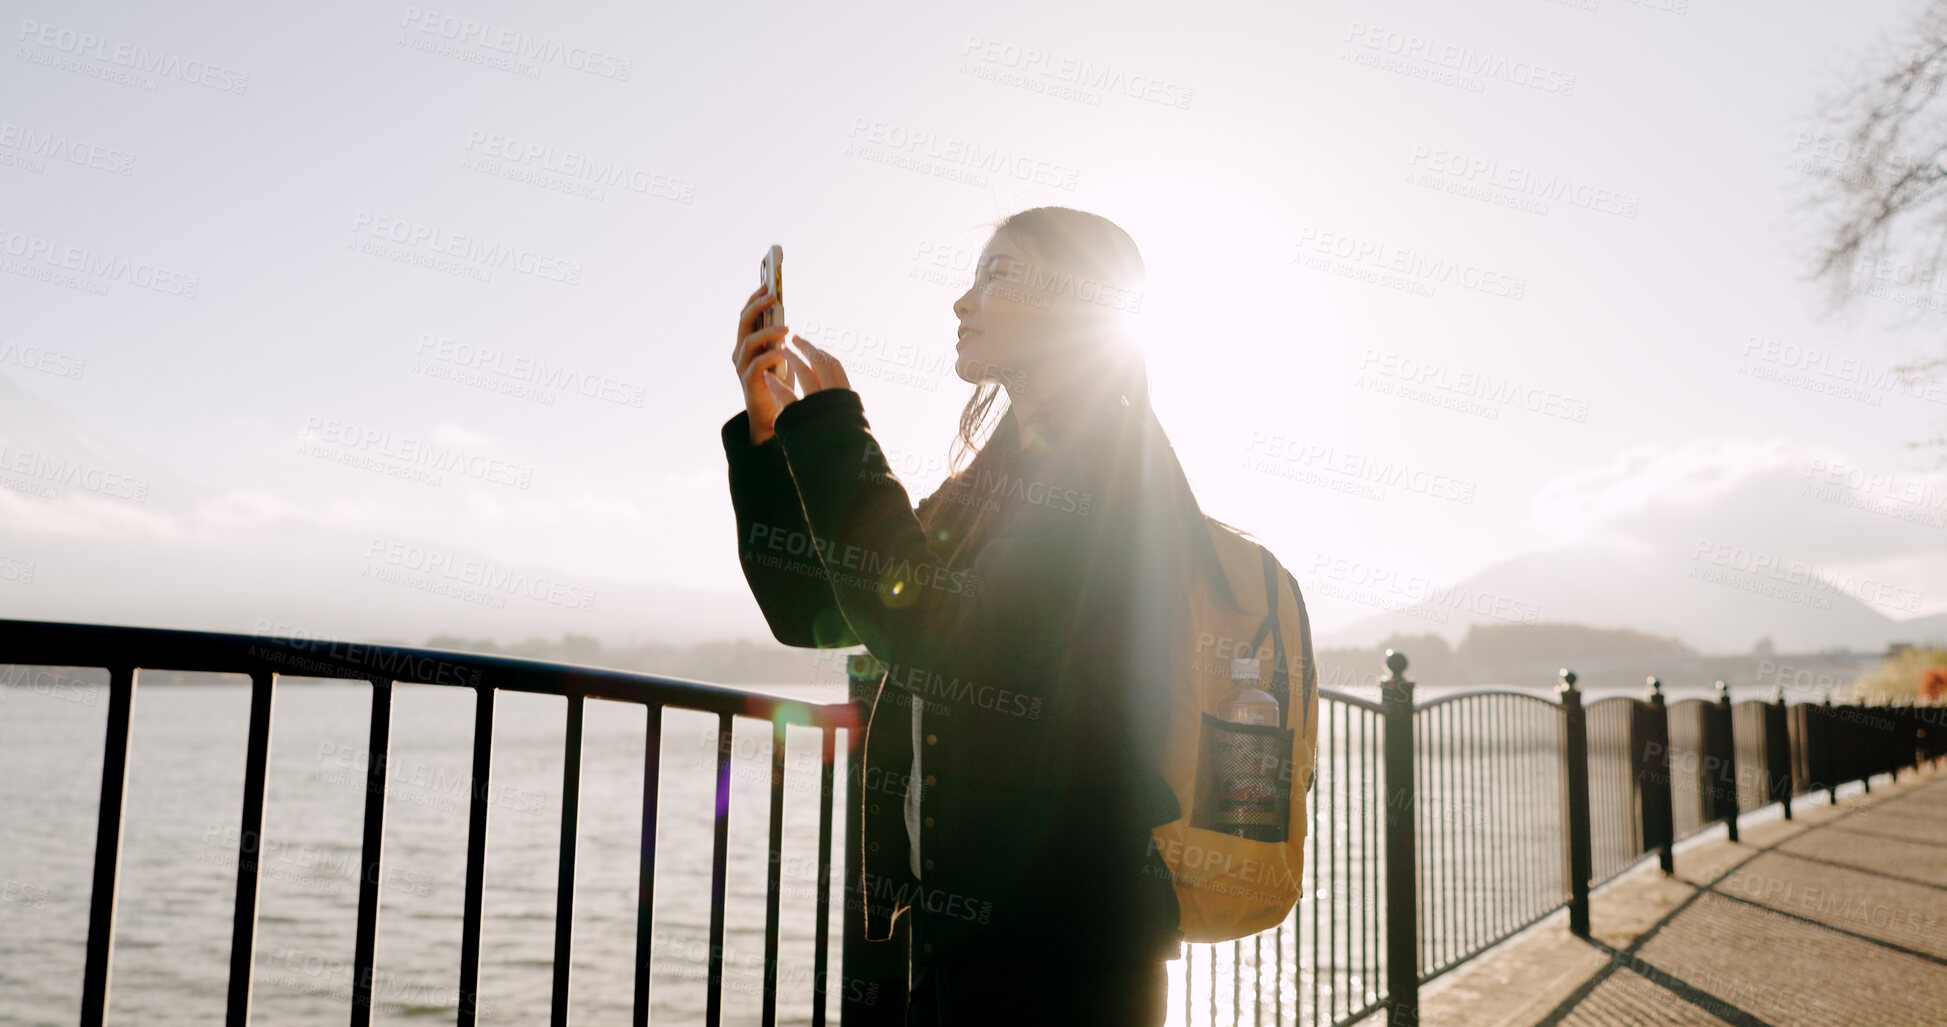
x: 1885, y: 208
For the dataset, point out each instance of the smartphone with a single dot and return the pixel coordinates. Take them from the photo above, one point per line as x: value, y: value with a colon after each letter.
x: 771, y: 273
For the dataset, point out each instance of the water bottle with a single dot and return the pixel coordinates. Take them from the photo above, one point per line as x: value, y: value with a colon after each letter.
x: 1249, y: 704
x: 1247, y: 794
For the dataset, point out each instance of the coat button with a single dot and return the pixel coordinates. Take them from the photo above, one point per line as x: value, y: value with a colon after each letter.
x: 928, y: 947
x: 874, y: 846
x: 929, y: 821
x: 928, y: 864
x: 875, y: 807
x: 932, y: 739
x: 931, y: 780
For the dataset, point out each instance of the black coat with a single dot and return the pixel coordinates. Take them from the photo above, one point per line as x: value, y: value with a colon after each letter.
x: 1042, y: 717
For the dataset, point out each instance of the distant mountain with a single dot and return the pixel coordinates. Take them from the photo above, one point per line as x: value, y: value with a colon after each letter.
x: 303, y: 579
x: 115, y: 538
x: 1928, y: 630
x: 740, y: 661
x: 1709, y: 608
x: 1605, y: 660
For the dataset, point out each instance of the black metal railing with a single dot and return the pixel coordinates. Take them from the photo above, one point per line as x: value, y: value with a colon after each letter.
x: 1615, y: 814
x: 125, y: 651
x: 1440, y: 830
x: 1435, y: 831
x: 1491, y: 795
x: 1327, y: 962
x: 1752, y: 734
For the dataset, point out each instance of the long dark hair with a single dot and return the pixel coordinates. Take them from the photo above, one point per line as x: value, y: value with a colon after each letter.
x: 1087, y: 248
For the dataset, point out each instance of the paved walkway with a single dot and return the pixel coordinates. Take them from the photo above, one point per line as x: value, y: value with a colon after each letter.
x: 1838, y: 916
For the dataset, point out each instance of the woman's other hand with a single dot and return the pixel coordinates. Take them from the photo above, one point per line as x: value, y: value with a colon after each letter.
x: 821, y: 372
x: 759, y: 352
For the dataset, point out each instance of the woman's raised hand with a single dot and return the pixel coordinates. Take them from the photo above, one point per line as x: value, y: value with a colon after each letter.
x: 762, y: 349
x: 758, y: 351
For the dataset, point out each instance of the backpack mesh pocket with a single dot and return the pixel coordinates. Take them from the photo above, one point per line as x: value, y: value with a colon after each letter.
x: 1243, y: 780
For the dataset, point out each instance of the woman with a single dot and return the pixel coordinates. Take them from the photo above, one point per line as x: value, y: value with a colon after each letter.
x: 1029, y: 613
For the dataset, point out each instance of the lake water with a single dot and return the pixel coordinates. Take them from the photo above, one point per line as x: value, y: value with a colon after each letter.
x: 179, y: 851
x: 178, y: 876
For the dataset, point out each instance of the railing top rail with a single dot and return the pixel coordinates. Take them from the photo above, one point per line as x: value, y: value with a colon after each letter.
x: 1477, y: 693
x: 1350, y: 700
x: 53, y: 643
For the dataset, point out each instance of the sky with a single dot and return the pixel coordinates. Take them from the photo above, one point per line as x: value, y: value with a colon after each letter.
x: 257, y: 257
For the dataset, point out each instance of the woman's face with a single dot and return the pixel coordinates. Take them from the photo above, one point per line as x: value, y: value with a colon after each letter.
x: 1005, y: 323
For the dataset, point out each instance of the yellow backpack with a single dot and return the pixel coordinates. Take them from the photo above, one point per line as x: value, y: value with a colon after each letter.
x: 1236, y: 866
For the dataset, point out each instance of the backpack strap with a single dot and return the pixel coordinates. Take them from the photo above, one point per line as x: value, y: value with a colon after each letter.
x: 1307, y: 673
x: 1307, y: 670
x: 1280, y: 670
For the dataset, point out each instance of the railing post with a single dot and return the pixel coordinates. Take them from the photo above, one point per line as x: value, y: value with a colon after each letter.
x: 1865, y: 757
x: 1575, y: 775
x: 1721, y: 741
x: 1902, y: 742
x: 1652, y: 757
x: 1864, y: 747
x: 874, y: 977
x: 1402, y: 893
x: 108, y: 847
x: 1828, y: 750
x: 1778, y: 750
x: 1911, y: 734
x: 1885, y: 751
